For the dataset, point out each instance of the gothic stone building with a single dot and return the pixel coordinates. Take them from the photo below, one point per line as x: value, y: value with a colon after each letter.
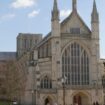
x: 65, y: 66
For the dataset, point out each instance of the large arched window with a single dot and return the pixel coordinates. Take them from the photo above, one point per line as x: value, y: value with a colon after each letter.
x: 75, y: 65
x: 46, y: 83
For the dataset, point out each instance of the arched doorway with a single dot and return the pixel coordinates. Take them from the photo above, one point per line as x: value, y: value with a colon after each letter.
x: 80, y: 99
x: 48, y: 101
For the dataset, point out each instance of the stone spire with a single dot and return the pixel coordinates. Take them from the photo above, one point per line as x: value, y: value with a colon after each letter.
x: 55, y: 11
x: 95, y: 16
x: 55, y: 7
x: 74, y: 5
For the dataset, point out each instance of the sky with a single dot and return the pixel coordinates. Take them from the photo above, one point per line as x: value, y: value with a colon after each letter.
x: 34, y: 16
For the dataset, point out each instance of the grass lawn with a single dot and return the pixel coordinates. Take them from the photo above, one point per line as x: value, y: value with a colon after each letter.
x: 5, y: 103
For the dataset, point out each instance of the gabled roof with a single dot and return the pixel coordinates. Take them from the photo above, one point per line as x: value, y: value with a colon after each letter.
x: 48, y: 36
x: 78, y: 16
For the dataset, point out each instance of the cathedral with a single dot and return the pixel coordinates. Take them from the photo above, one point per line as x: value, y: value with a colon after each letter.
x: 64, y: 67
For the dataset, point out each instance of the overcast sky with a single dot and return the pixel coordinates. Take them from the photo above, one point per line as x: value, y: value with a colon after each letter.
x: 34, y: 16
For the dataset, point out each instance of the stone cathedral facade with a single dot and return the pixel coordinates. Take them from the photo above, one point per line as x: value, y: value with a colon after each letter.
x: 64, y: 67
x: 69, y: 52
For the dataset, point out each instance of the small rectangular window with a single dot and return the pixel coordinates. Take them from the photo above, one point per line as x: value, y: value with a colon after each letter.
x: 75, y: 30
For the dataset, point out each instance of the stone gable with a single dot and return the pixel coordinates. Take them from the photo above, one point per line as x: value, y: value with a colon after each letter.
x: 74, y: 21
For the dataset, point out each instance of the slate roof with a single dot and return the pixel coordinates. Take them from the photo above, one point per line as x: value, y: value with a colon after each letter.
x: 7, y: 55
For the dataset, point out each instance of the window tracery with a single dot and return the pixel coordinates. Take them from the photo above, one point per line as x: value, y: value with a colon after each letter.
x: 75, y: 65
x: 46, y: 83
